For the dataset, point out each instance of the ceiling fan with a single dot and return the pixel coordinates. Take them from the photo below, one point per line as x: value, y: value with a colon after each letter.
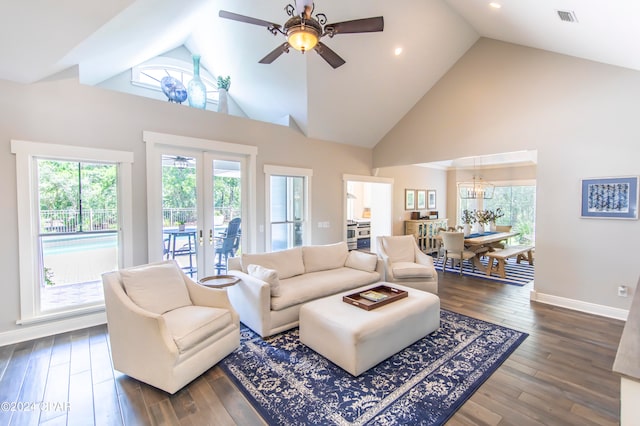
x: 304, y: 31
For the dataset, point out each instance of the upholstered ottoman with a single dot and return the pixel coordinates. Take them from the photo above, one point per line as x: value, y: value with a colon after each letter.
x: 356, y: 339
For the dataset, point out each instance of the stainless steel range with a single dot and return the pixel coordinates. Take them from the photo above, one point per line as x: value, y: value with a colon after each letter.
x: 352, y: 236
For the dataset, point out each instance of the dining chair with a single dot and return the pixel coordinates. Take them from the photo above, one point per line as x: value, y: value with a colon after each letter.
x: 500, y: 244
x: 453, y: 243
x: 227, y: 244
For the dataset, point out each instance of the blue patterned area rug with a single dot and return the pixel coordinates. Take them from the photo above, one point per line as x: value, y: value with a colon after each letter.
x: 516, y: 273
x: 424, y: 384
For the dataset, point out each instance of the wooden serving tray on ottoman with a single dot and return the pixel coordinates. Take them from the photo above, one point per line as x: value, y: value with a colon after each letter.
x: 374, y: 297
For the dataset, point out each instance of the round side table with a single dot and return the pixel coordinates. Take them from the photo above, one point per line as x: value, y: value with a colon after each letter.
x: 219, y: 281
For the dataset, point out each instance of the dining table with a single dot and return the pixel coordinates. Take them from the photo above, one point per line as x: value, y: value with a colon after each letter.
x: 188, y: 247
x: 479, y: 243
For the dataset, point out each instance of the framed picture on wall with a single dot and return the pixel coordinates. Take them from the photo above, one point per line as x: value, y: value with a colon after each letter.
x: 431, y: 199
x: 610, y: 198
x: 409, y: 199
x: 421, y: 199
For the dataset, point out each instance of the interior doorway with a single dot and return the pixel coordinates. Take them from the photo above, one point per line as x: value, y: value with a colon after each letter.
x: 368, y: 209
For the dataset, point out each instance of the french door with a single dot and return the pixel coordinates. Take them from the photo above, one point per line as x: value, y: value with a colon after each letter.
x: 194, y: 195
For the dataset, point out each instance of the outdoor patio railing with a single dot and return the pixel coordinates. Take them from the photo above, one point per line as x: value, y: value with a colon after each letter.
x: 64, y: 221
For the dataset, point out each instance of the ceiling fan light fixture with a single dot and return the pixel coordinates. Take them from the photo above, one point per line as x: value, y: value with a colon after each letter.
x: 302, y: 37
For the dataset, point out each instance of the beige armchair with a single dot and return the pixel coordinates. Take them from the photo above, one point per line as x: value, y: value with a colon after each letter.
x: 166, y: 330
x: 404, y: 263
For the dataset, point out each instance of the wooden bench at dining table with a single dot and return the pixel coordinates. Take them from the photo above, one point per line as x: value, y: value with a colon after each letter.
x: 520, y: 252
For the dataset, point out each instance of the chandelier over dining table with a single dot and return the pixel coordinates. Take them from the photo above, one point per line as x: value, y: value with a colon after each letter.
x: 477, y: 189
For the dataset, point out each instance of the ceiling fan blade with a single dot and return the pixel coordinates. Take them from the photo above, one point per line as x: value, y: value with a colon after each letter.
x: 366, y: 25
x: 329, y: 55
x: 246, y: 19
x: 275, y: 53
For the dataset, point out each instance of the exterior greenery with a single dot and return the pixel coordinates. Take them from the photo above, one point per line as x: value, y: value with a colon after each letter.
x: 76, y: 196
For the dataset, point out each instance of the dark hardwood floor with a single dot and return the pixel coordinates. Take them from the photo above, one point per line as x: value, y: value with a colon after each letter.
x: 560, y: 375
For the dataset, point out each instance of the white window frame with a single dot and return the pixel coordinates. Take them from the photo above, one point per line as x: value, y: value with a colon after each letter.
x: 28, y: 217
x: 273, y: 170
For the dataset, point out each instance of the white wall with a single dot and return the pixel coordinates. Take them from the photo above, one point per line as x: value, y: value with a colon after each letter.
x: 581, y: 116
x: 414, y: 177
x: 62, y: 111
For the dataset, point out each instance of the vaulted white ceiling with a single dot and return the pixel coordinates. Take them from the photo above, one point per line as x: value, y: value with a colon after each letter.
x: 357, y: 103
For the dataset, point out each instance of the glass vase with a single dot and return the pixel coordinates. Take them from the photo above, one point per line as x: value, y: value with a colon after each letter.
x: 196, y: 90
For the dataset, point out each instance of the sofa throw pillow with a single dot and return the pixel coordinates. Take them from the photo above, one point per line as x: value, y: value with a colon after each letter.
x: 411, y: 270
x: 363, y: 261
x: 156, y: 288
x: 288, y: 262
x: 323, y: 257
x: 270, y: 276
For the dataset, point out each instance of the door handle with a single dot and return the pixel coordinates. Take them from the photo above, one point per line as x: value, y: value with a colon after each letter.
x: 200, y: 239
x: 210, y: 237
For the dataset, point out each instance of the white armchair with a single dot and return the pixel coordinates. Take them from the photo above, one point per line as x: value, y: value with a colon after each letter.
x: 405, y: 264
x: 166, y: 330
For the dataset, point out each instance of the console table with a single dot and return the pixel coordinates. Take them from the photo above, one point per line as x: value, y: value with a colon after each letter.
x: 425, y: 231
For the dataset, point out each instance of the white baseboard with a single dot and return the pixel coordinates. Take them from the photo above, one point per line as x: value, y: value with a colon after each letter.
x: 38, y: 330
x: 579, y: 305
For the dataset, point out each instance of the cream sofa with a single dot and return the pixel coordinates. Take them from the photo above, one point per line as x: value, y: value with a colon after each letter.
x: 275, y: 285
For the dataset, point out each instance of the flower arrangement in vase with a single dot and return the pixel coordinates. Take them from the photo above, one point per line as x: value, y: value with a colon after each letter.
x: 468, y: 218
x: 493, y: 216
x: 484, y: 217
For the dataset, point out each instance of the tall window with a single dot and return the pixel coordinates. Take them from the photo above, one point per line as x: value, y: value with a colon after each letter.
x: 78, y: 239
x: 518, y: 203
x: 288, y: 207
x: 78, y: 227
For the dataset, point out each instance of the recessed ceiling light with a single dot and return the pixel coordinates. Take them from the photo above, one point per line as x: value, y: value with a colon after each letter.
x: 495, y: 5
x: 397, y: 51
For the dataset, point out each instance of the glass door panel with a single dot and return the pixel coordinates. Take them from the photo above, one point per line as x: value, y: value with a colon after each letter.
x: 180, y: 211
x: 226, y: 211
x: 201, y: 210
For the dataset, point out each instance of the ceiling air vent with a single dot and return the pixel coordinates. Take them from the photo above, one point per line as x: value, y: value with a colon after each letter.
x: 567, y: 15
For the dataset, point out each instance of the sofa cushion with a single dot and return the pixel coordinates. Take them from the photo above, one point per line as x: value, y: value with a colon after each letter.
x: 411, y: 270
x: 400, y: 248
x: 311, y: 286
x: 362, y: 261
x: 270, y: 276
x: 156, y: 288
x: 191, y: 325
x: 288, y: 262
x: 323, y: 257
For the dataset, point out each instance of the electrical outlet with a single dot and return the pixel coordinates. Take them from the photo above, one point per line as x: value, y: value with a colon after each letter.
x: 622, y: 291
